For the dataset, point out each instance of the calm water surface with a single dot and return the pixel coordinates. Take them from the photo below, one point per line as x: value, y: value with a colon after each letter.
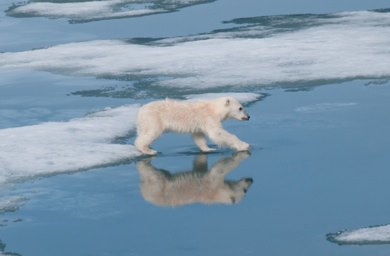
x: 319, y: 160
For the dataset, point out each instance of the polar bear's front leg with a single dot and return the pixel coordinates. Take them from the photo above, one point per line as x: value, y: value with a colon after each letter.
x: 223, y: 138
x: 201, y: 142
x: 228, y: 164
x: 148, y: 172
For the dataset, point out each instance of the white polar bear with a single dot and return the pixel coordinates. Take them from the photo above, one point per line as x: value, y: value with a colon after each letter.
x: 200, y: 185
x: 201, y: 118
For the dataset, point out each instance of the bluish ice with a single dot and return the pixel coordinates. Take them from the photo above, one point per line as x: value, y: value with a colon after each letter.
x: 313, y: 76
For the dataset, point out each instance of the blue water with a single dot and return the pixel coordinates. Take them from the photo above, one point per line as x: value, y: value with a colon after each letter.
x: 319, y: 158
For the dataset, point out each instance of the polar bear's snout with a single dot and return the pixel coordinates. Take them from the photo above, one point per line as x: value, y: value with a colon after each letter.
x: 248, y: 182
x: 246, y: 117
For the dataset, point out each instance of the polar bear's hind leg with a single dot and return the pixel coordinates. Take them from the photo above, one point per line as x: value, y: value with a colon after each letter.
x: 201, y: 142
x: 146, y: 136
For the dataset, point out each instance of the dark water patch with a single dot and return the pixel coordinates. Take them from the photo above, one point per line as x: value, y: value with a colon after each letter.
x: 3, y: 251
x: 281, y: 23
x: 136, y: 91
x: 142, y: 40
x: 149, y: 90
x: 174, y: 5
x: 284, y: 21
x: 376, y: 82
x: 383, y: 10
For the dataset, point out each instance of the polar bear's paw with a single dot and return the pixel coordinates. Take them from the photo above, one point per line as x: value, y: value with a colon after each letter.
x: 207, y: 149
x: 151, y: 152
x: 148, y: 151
x: 243, y: 147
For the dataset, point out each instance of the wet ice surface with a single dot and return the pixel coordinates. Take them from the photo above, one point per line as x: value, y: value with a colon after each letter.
x: 73, y: 185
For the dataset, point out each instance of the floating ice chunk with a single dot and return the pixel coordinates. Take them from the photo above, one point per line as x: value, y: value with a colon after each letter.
x: 11, y: 203
x: 81, y: 11
x: 370, y: 235
x: 56, y: 147
x: 84, y: 11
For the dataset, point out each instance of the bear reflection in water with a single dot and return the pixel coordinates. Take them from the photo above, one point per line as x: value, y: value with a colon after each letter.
x: 200, y: 185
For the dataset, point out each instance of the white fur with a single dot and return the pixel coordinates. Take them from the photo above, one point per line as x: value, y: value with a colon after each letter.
x: 200, y: 185
x: 200, y: 118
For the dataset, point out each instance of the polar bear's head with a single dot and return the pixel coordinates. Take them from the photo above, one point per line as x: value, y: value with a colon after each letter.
x: 233, y: 191
x: 234, y: 109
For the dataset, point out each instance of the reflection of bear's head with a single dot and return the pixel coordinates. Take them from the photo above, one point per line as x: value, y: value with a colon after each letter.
x: 200, y: 185
x: 234, y: 109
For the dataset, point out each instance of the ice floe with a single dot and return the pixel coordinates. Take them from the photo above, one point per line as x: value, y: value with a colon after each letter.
x: 347, y: 46
x: 11, y: 203
x: 84, y: 11
x: 361, y: 236
x: 80, y: 143
x: 56, y: 147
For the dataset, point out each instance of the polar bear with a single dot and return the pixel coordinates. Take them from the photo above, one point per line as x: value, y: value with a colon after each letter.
x: 200, y: 185
x: 201, y: 118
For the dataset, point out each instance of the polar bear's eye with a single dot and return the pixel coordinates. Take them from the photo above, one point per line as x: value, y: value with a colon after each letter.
x: 240, y: 109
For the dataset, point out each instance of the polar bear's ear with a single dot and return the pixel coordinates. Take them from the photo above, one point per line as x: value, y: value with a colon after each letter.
x: 227, y: 102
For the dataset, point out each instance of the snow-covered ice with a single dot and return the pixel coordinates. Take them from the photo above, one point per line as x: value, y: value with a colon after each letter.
x: 347, y: 46
x: 55, y: 147
x: 369, y: 235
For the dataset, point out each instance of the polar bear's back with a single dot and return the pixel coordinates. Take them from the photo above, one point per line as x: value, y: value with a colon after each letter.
x: 179, y: 116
